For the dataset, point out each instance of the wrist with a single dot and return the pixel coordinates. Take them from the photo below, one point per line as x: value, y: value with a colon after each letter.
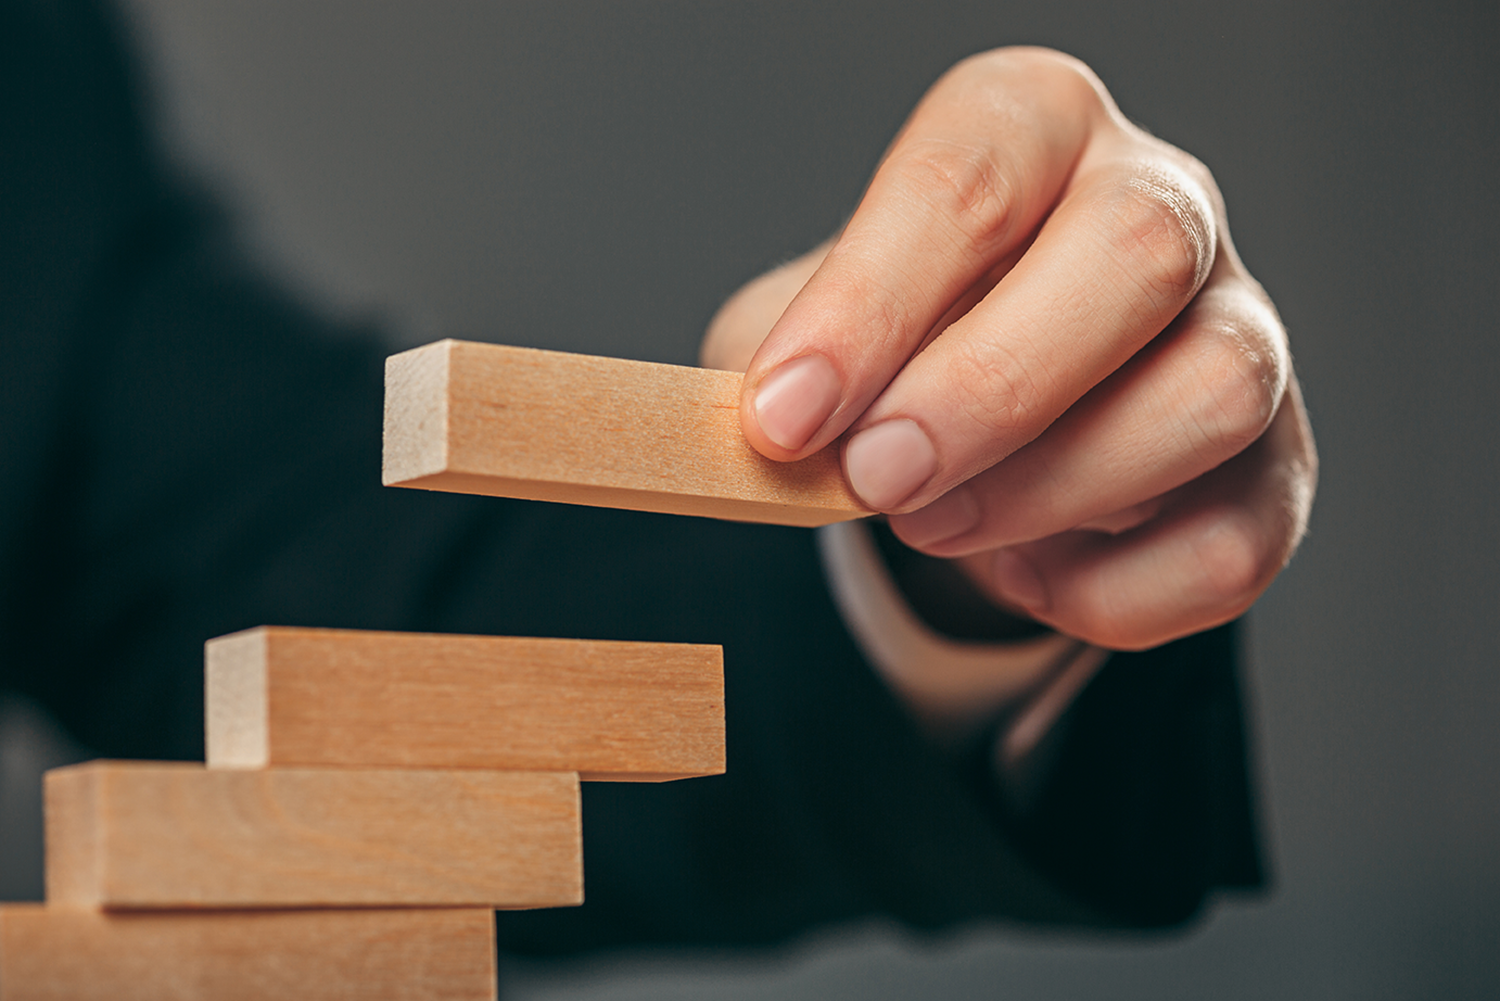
x: 952, y: 686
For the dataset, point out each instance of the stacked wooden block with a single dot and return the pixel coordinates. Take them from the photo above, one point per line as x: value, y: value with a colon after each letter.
x: 368, y: 801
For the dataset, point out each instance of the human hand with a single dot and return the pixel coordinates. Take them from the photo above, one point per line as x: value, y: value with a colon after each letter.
x: 1047, y: 359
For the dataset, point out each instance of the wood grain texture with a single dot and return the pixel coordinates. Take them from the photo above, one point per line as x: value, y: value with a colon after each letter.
x: 544, y: 425
x: 50, y: 953
x: 133, y: 835
x: 608, y: 710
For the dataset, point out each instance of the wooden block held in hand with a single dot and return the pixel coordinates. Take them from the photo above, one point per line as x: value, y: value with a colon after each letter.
x: 50, y: 953
x: 543, y: 425
x: 282, y: 696
x: 130, y: 834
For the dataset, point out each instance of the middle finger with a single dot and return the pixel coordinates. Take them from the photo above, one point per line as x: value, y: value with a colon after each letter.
x: 1127, y: 248
x: 1199, y: 394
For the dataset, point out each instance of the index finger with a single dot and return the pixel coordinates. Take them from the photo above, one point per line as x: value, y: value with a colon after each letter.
x: 966, y: 183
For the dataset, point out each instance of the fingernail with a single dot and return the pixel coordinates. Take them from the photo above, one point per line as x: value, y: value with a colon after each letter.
x: 1017, y: 580
x: 889, y: 462
x: 948, y: 517
x: 797, y: 399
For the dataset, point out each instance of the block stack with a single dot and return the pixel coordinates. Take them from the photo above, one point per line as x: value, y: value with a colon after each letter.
x: 369, y: 800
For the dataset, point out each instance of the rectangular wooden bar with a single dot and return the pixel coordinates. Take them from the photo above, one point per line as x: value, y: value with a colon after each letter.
x: 607, y: 432
x: 142, y: 835
x: 607, y: 710
x: 50, y: 953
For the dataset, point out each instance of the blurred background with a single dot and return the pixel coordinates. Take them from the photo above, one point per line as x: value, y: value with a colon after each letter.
x: 597, y: 176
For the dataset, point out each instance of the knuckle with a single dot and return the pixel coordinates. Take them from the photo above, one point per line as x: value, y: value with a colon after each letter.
x: 1231, y: 558
x: 1101, y: 615
x: 1236, y: 560
x: 1244, y: 389
x: 969, y: 185
x: 1163, y: 228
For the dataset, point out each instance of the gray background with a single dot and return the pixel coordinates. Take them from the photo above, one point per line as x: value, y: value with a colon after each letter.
x: 597, y: 176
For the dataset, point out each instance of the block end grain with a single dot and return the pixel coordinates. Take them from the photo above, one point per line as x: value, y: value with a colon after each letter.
x: 416, y: 413
x: 237, y: 700
x: 71, y: 807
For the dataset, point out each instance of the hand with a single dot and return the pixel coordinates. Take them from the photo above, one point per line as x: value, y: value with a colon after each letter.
x: 1046, y: 360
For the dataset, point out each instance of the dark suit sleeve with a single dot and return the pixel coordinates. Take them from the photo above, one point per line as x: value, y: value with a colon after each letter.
x: 188, y: 452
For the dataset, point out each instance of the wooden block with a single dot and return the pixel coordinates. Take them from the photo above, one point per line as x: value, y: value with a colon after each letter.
x: 50, y: 953
x: 132, y: 834
x: 543, y: 425
x: 608, y: 710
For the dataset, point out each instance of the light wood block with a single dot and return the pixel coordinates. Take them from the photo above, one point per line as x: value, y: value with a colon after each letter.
x: 543, y: 425
x: 49, y: 953
x: 130, y: 834
x: 608, y: 710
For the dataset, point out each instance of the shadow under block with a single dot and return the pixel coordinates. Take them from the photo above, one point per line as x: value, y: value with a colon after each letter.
x: 147, y: 835
x: 608, y: 432
x: 50, y: 953
x: 279, y: 696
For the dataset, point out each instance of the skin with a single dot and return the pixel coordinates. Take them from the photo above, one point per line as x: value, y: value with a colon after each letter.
x: 1041, y: 357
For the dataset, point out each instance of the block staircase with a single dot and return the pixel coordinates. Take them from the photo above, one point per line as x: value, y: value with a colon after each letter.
x: 368, y: 801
